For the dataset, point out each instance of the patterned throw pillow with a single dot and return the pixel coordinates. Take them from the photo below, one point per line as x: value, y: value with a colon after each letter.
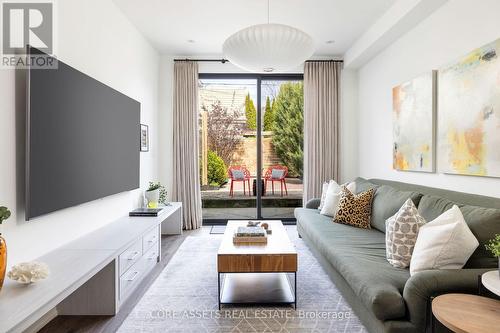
x: 401, y: 232
x: 355, y: 210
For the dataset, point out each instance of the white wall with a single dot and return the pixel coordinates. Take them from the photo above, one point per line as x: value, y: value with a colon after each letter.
x: 165, y: 106
x: 96, y: 38
x: 456, y: 28
x: 349, y: 169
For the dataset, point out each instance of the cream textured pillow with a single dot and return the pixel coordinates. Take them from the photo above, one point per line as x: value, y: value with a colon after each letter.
x: 444, y: 243
x: 332, y: 198
x: 401, y: 232
x: 324, y: 189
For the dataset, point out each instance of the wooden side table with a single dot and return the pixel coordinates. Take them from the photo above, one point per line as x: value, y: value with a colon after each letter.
x: 465, y: 313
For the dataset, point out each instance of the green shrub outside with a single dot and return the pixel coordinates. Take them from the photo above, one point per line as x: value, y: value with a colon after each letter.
x: 217, y: 173
x: 250, y: 113
x: 268, y: 115
x: 288, y: 136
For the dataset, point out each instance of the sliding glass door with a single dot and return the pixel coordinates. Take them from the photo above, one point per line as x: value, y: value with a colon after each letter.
x: 282, y: 146
x: 250, y: 146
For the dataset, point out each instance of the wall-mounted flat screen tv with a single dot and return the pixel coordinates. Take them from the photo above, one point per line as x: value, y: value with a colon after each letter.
x: 82, y: 140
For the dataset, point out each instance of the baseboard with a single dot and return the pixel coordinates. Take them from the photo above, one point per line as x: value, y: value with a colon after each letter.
x: 44, y: 320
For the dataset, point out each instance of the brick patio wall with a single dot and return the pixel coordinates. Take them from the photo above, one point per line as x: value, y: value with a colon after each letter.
x: 246, y: 153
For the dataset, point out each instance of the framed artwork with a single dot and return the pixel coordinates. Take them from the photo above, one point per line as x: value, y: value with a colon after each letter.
x: 144, y: 138
x: 414, y: 113
x: 469, y: 113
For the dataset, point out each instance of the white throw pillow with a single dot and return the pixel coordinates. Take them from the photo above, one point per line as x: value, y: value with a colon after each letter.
x: 444, y: 243
x: 324, y: 189
x: 332, y: 198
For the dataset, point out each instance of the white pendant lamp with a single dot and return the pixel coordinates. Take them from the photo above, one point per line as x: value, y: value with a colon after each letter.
x: 265, y: 48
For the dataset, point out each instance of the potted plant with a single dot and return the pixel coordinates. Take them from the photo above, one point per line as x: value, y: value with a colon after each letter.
x: 494, y: 247
x: 155, y: 194
x: 4, y: 215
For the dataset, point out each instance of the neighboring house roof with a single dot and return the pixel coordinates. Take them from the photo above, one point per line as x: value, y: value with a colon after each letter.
x: 232, y: 98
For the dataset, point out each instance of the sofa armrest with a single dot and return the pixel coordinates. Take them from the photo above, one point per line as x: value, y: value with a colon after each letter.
x: 422, y: 286
x: 313, y: 203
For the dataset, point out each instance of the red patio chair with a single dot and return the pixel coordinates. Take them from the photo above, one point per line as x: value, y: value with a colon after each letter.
x: 241, y: 175
x: 280, y: 174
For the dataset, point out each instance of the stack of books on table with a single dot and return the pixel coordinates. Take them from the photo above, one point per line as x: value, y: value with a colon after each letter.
x: 250, y: 235
x: 148, y: 212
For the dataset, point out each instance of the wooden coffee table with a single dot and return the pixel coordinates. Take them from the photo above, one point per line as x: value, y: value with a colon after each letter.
x: 467, y: 313
x: 257, y: 273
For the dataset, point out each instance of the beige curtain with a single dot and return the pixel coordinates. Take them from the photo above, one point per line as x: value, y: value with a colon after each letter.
x: 186, y: 172
x: 321, y: 125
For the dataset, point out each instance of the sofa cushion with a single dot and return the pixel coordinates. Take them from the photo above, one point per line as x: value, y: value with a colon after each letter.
x: 359, y: 256
x: 363, y: 185
x: 483, y: 222
x: 387, y: 201
x: 431, y: 206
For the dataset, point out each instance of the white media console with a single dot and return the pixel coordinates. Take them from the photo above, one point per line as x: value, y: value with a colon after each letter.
x: 92, y: 275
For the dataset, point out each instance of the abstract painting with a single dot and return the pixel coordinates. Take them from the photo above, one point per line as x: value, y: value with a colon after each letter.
x: 414, y: 109
x: 469, y: 114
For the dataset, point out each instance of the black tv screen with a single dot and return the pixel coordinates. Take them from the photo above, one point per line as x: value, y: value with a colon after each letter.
x: 82, y: 140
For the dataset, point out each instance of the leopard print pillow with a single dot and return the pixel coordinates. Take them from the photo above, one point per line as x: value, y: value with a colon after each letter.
x: 355, y: 210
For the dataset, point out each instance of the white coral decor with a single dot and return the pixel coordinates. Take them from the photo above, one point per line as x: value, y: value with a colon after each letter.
x: 28, y: 272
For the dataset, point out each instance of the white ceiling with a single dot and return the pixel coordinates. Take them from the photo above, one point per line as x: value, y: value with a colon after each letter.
x: 170, y: 24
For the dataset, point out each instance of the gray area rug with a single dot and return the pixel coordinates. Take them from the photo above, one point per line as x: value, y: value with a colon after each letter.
x: 217, y: 229
x: 184, y: 298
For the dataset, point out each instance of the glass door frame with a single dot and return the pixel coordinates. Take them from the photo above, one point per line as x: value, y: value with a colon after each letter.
x: 259, y: 78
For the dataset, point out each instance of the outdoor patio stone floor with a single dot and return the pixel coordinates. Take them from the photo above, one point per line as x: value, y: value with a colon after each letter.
x: 294, y: 192
x: 247, y: 213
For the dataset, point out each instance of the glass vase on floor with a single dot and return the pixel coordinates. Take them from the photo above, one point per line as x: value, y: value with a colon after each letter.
x: 3, y: 259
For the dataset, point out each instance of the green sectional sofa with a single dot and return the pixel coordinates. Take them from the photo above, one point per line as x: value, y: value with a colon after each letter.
x: 385, y: 298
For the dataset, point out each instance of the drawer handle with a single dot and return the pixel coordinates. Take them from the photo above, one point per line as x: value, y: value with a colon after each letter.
x: 134, y: 255
x: 133, y: 276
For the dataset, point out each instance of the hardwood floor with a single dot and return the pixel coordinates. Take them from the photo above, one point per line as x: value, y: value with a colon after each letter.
x: 108, y: 324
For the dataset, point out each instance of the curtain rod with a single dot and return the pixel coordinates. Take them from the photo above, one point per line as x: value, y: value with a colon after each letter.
x: 225, y: 60
x: 320, y: 60
x: 203, y: 60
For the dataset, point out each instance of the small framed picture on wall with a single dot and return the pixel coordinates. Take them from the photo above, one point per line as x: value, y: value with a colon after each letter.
x: 144, y: 137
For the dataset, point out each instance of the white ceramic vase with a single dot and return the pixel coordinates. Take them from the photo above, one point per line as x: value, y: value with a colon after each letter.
x: 152, y: 197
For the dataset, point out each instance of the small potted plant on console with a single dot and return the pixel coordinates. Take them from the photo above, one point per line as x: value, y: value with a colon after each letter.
x: 155, y: 194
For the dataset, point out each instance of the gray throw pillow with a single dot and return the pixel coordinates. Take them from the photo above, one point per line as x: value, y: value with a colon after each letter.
x: 238, y: 174
x: 277, y: 173
x: 401, y: 232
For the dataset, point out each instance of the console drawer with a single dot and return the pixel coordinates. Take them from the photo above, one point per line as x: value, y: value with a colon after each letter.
x: 130, y: 278
x: 130, y: 256
x: 150, y: 259
x: 150, y: 239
